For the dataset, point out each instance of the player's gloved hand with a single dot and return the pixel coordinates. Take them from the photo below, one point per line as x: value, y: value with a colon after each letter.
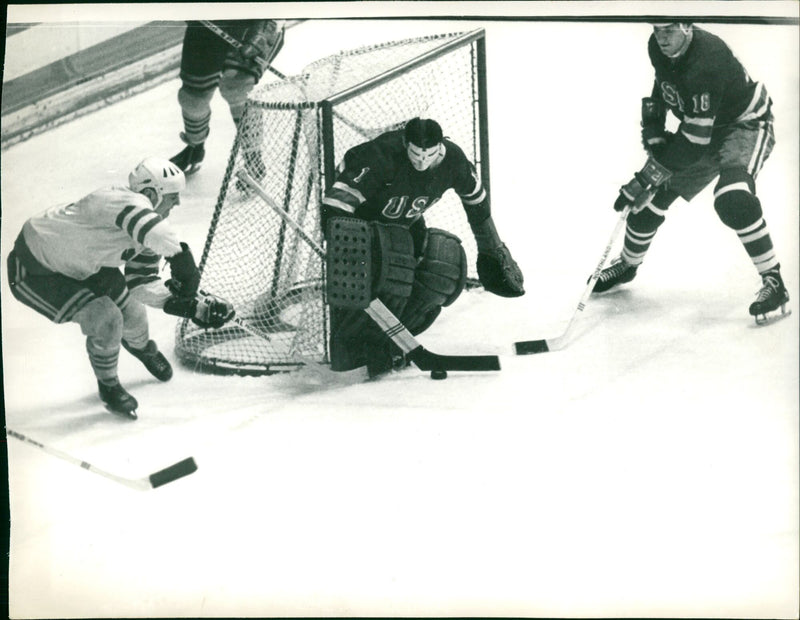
x: 205, y: 310
x: 499, y: 272
x: 638, y: 192
x: 254, y: 41
x: 654, y: 117
x: 185, y: 276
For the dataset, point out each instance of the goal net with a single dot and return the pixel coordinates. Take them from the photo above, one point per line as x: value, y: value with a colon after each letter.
x: 293, y: 134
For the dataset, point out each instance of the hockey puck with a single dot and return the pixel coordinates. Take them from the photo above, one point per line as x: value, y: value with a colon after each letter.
x: 438, y: 374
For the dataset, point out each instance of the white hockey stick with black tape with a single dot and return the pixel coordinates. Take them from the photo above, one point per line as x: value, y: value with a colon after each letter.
x: 527, y: 347
x: 163, y: 476
x: 385, y: 319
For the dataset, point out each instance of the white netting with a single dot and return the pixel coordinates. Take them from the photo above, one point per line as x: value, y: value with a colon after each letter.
x: 292, y: 134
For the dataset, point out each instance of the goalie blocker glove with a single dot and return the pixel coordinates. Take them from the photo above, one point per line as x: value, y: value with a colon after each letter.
x: 205, y: 310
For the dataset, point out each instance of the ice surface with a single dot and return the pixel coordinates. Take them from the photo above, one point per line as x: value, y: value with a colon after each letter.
x: 650, y: 468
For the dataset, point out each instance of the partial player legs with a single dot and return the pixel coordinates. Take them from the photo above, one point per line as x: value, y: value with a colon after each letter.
x: 739, y: 209
x: 639, y: 234
x: 234, y: 86
x: 101, y: 322
x: 136, y: 340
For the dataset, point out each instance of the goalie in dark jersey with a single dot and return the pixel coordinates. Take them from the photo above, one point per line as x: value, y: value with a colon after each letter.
x: 725, y: 132
x: 391, y: 182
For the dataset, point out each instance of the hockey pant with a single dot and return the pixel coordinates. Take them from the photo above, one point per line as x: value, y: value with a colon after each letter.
x: 100, y: 304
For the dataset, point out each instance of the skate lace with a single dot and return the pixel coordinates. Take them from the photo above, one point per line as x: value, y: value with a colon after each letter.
x: 770, y: 288
x: 616, y: 268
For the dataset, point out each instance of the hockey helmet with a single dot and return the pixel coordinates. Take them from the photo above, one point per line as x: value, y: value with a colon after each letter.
x: 160, y: 175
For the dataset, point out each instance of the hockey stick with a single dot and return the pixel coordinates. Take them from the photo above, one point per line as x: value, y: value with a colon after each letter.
x: 527, y: 347
x: 385, y: 319
x: 236, y: 44
x: 154, y: 480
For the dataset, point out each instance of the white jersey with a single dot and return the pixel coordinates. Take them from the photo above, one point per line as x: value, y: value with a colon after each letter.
x: 104, y: 229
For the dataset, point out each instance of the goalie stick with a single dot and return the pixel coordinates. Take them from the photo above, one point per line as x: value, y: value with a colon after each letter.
x: 527, y: 347
x: 383, y: 317
x: 163, y: 476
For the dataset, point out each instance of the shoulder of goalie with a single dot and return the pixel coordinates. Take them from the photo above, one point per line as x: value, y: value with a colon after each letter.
x: 205, y: 310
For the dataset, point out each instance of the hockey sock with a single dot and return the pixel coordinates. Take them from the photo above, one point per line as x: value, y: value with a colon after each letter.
x: 104, y: 361
x: 739, y: 209
x: 642, y: 227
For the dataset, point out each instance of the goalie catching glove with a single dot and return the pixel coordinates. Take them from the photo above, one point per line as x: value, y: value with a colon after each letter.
x: 497, y: 270
x: 638, y: 192
x: 205, y: 310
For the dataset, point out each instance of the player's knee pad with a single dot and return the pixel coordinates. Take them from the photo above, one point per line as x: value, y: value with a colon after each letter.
x: 194, y: 102
x: 645, y: 222
x: 734, y: 199
x: 101, y: 320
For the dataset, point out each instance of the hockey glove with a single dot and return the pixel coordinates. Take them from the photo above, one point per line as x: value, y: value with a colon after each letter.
x: 497, y: 270
x: 654, y: 117
x: 205, y: 310
x: 499, y: 273
x: 640, y: 190
x: 261, y: 42
x: 185, y: 277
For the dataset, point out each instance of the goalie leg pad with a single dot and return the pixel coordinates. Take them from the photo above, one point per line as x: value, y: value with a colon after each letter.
x: 393, y: 249
x: 440, y: 279
x: 349, y: 263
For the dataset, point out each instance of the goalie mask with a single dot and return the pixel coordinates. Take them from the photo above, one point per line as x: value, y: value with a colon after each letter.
x: 160, y: 175
x: 423, y: 140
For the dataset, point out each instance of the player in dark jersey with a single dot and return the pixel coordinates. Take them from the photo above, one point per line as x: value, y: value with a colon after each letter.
x: 208, y: 62
x: 391, y: 182
x: 725, y: 132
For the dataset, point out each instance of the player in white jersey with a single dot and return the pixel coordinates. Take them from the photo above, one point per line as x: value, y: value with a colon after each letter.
x: 66, y: 265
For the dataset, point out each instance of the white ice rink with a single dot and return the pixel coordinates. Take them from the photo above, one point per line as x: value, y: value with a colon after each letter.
x: 649, y: 469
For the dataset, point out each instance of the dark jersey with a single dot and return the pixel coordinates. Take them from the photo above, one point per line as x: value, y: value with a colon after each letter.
x: 706, y: 88
x: 377, y: 182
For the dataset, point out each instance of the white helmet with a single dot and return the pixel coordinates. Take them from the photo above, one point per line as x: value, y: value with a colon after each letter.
x: 159, y: 174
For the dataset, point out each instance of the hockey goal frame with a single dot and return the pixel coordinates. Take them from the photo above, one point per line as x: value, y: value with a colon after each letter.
x: 324, y: 111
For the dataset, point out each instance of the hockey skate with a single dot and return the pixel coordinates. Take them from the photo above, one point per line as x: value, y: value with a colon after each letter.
x: 384, y: 357
x: 153, y: 360
x: 619, y: 272
x: 772, y: 296
x: 190, y: 159
x: 117, y: 399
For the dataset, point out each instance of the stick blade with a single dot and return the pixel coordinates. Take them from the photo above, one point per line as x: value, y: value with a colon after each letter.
x: 425, y: 360
x: 173, y: 472
x: 528, y: 347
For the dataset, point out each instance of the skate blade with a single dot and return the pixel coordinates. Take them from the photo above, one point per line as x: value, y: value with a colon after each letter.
x: 128, y: 415
x: 191, y: 169
x: 774, y: 316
